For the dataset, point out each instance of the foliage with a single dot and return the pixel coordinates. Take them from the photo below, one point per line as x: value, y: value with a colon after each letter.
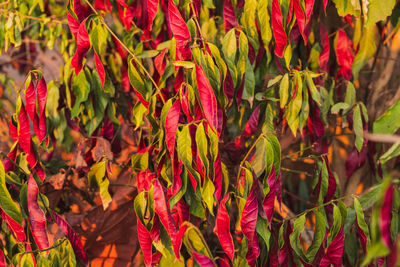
x: 210, y: 89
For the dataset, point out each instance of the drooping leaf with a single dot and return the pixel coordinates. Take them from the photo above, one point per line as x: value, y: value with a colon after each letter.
x: 366, y: 51
x: 145, y: 242
x: 207, y: 98
x: 82, y: 46
x: 362, y: 228
x: 385, y: 217
x: 229, y: 16
x: 6, y: 202
x: 324, y: 56
x: 264, y: 19
x: 278, y: 30
x: 252, y: 123
x: 178, y: 25
x: 248, y: 223
x: 202, y: 260
x: 37, y: 217
x: 222, y: 228
x: 344, y: 54
x: 171, y: 125
x: 163, y: 212
x: 269, y: 200
x: 300, y: 18
x: 100, y: 68
x: 334, y: 252
x: 152, y: 7
x: 97, y: 173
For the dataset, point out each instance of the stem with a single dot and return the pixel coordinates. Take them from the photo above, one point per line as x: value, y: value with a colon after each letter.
x: 158, y: 91
x: 46, y: 249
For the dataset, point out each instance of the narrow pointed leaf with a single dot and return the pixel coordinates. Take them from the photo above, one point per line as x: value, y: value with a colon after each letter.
x: 36, y: 216
x: 222, y: 228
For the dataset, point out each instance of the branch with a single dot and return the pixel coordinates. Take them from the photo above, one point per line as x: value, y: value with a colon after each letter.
x: 383, y: 138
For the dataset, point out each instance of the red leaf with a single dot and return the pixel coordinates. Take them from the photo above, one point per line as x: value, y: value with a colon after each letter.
x: 13, y: 130
x: 355, y: 160
x: 344, y: 55
x: 82, y: 46
x: 300, y: 17
x: 73, y: 24
x: 3, y: 262
x: 171, y: 125
x: 99, y: 68
x: 178, y: 25
x: 159, y: 62
x: 331, y: 183
x: 144, y: 180
x: 269, y: 199
x: 207, y: 98
x: 30, y: 98
x: 218, y: 177
x: 222, y: 228
x: 41, y: 91
x: 386, y: 216
x: 202, y: 260
x: 324, y: 56
x: 277, y: 28
x: 325, y: 3
x: 24, y: 131
x: 229, y: 16
x: 162, y: 210
x: 334, y: 252
x: 71, y: 235
x: 252, y: 123
x: 102, y: 5
x: 309, y: 6
x: 152, y: 7
x: 145, y: 242
x: 36, y: 216
x: 16, y: 229
x: 248, y: 224
x: 8, y: 164
x: 229, y: 89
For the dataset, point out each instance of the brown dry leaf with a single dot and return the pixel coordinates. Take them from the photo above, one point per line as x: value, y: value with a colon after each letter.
x: 102, y: 150
x: 57, y: 181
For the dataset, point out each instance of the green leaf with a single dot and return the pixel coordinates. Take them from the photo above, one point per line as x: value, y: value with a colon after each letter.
x: 295, y: 105
x: 350, y: 97
x: 360, y: 219
x: 264, y: 22
x: 374, y: 251
x: 81, y: 89
x: 389, y: 122
x: 366, y: 51
x: 393, y: 152
x: 378, y: 10
x: 284, y: 90
x: 347, y: 7
x: 336, y: 225
x: 313, y: 89
x: 338, y: 107
x: 298, y: 227
x: 229, y: 48
x: 249, y: 83
x: 98, y: 173
x: 6, y: 202
x: 358, y: 128
x: 248, y: 20
x: 262, y: 230
x: 207, y: 193
x: 319, y: 235
x: 137, y: 82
